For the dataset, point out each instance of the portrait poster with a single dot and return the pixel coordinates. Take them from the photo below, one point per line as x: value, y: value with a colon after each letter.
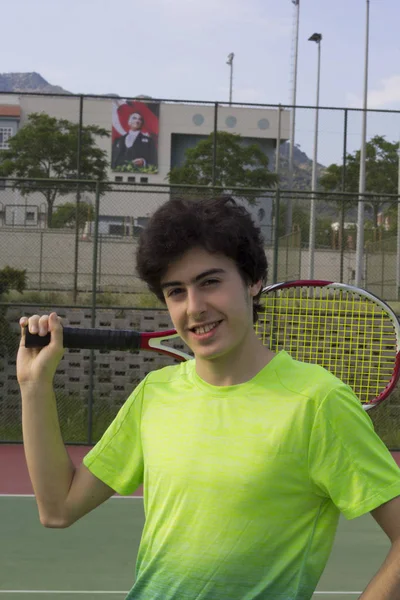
x: 135, y: 128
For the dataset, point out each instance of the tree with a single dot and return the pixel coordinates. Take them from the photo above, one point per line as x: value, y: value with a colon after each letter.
x: 47, y: 147
x: 301, y: 222
x: 64, y: 215
x: 236, y: 165
x: 381, y: 172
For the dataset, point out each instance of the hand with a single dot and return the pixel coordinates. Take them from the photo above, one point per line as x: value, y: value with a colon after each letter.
x: 38, y: 365
x: 139, y: 162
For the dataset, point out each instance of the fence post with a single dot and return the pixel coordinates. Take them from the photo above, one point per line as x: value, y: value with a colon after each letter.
x: 78, y: 198
x: 342, y: 244
x: 383, y: 268
x: 214, y: 164
x: 40, y: 261
x: 276, y: 237
x: 341, y: 235
x: 93, y: 315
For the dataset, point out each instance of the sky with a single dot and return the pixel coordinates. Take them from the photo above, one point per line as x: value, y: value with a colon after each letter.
x: 177, y: 49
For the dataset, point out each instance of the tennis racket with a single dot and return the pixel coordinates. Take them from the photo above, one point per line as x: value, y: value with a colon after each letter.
x: 347, y: 330
x: 344, y: 329
x: 114, y: 339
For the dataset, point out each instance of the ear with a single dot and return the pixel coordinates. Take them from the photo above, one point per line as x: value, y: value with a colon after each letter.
x: 255, y: 288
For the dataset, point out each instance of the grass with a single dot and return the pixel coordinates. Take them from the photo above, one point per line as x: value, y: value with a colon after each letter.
x: 73, y: 416
x: 105, y: 298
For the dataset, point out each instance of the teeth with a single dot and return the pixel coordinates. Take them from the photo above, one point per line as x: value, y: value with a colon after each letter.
x: 205, y: 329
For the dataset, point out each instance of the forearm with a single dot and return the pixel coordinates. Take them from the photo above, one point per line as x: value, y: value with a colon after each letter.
x: 386, y: 583
x: 50, y: 468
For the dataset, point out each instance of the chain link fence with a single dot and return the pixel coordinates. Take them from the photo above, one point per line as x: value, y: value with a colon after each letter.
x: 84, y: 267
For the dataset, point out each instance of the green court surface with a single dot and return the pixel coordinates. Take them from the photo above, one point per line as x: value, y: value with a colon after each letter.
x: 95, y: 558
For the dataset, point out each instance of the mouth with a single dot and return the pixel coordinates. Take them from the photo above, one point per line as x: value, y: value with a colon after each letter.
x: 205, y: 329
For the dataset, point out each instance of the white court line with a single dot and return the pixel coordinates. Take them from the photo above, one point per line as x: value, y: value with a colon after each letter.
x: 99, y: 592
x: 81, y: 592
x: 33, y: 495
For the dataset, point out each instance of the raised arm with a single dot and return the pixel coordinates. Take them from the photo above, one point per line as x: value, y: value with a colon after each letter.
x: 63, y: 493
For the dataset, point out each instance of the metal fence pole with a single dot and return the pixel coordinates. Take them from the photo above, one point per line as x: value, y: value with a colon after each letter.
x: 215, y: 142
x: 363, y: 154
x: 382, y: 243
x: 276, y: 238
x: 78, y: 198
x: 274, y: 229
x: 100, y: 257
x: 93, y: 315
x: 342, y: 216
x: 40, y: 261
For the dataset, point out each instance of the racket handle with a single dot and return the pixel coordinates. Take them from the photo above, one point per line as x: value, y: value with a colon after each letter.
x: 89, y: 339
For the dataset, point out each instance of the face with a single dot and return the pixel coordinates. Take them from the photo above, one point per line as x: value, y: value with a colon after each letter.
x: 135, y: 122
x: 210, y: 305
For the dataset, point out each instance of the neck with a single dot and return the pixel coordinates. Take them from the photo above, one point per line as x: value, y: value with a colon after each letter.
x: 237, y: 366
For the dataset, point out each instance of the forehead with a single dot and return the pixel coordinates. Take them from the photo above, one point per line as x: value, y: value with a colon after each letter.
x: 135, y: 116
x: 196, y: 261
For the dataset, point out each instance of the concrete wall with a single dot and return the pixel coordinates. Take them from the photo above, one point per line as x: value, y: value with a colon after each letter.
x: 116, y: 374
x: 49, y: 256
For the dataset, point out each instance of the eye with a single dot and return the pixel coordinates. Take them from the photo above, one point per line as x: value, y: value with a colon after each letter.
x: 211, y: 281
x: 174, y: 292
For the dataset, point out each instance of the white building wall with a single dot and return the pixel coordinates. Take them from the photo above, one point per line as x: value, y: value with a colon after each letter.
x: 194, y: 119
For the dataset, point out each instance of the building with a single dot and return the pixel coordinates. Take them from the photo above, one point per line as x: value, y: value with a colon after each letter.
x: 159, y: 133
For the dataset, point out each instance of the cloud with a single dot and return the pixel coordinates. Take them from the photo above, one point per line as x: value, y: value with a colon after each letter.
x: 388, y: 94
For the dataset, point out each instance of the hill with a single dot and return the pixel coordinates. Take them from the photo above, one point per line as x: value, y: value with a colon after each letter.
x: 302, y: 168
x: 28, y: 82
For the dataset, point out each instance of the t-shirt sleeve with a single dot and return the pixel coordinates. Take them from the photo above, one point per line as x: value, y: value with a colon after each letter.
x: 117, y: 459
x: 348, y: 462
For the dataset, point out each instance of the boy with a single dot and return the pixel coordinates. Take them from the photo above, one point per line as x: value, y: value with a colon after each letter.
x: 247, y: 457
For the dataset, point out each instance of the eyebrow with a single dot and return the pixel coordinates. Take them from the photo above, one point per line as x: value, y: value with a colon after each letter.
x: 195, y: 279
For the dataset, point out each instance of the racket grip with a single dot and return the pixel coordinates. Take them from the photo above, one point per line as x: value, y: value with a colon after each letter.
x: 89, y: 339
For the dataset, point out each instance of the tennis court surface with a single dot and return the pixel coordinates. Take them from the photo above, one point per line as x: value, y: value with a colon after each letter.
x: 95, y: 558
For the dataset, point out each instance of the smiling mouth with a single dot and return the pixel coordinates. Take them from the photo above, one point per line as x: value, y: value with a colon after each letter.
x: 205, y: 328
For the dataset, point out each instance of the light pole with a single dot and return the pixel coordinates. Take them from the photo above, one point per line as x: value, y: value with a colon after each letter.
x: 293, y: 115
x: 316, y: 37
x: 229, y: 62
x: 361, y: 189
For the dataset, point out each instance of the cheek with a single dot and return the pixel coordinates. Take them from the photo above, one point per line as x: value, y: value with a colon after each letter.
x: 174, y: 313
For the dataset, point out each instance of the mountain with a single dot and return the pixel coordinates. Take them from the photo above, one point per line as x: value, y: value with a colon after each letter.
x: 28, y: 82
x: 302, y: 168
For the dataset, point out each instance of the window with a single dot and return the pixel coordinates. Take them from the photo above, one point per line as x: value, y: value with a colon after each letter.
x: 118, y: 178
x: 118, y: 229
x: 131, y: 179
x: 144, y: 180
x: 30, y: 215
x: 5, y: 134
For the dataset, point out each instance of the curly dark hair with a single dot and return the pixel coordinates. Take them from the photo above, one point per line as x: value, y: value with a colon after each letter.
x: 219, y: 225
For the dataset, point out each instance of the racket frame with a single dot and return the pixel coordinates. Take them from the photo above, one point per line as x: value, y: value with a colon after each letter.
x: 154, y: 342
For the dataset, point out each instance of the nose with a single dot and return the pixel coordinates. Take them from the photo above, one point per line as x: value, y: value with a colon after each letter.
x: 195, y: 307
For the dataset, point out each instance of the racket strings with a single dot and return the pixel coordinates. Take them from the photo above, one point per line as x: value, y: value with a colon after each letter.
x: 344, y: 332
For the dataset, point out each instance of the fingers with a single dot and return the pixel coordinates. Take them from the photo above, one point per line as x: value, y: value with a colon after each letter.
x: 54, y: 326
x: 42, y: 325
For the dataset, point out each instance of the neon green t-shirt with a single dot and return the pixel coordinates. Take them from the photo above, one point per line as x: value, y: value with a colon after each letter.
x: 243, y: 484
